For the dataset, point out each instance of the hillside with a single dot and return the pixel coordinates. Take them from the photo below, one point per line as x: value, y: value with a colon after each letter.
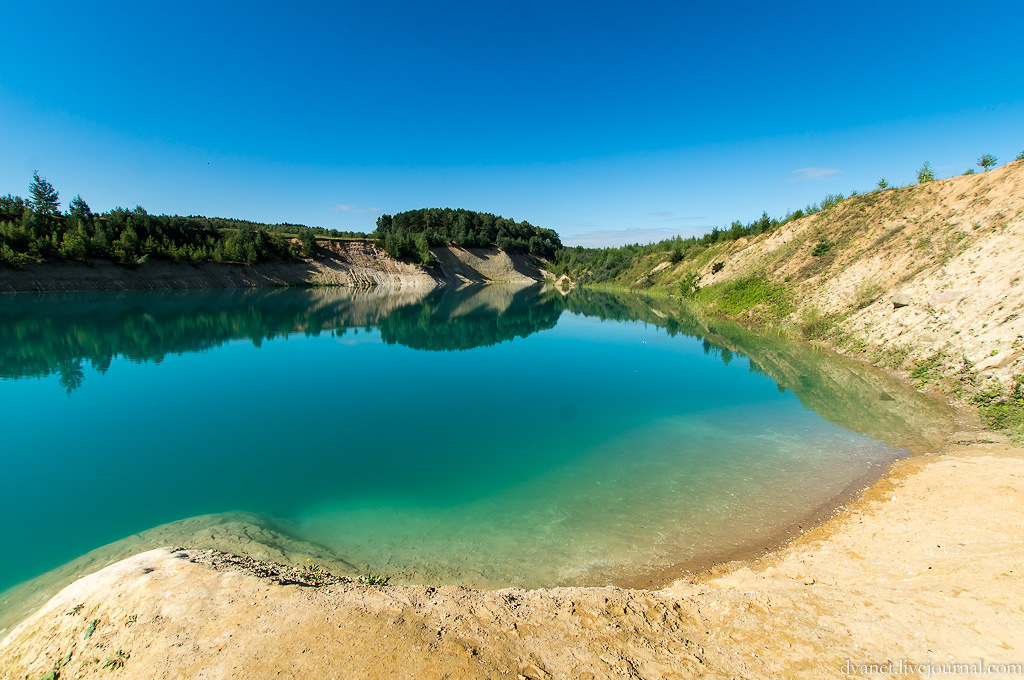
x: 352, y: 263
x: 924, y: 279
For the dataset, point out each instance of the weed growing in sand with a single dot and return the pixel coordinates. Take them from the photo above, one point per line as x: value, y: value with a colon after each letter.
x: 371, y: 579
x: 116, y: 661
x: 54, y: 673
x: 314, y: 573
x: 74, y: 610
x: 865, y: 293
x: 927, y: 370
x: 131, y: 619
x: 90, y: 629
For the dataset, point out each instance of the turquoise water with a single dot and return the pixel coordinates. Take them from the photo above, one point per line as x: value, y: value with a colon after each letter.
x: 489, y: 436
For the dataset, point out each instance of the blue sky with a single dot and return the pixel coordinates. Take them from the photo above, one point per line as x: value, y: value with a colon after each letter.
x: 607, y: 122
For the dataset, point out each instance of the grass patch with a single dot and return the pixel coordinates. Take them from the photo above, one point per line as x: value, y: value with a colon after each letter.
x: 865, y: 293
x: 743, y: 295
x: 927, y: 370
x: 815, y: 323
x: 1004, y: 410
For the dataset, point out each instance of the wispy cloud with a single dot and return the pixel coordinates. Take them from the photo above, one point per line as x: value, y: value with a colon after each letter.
x: 812, y: 174
x: 618, y: 237
x: 343, y: 207
x: 669, y: 215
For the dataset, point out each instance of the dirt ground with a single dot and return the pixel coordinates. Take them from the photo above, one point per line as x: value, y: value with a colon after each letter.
x: 924, y: 568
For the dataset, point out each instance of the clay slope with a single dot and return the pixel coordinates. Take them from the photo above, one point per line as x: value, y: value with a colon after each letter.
x: 485, y: 265
x: 358, y: 264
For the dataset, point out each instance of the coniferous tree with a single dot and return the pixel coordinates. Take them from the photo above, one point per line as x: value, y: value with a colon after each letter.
x: 45, y: 199
x: 78, y: 207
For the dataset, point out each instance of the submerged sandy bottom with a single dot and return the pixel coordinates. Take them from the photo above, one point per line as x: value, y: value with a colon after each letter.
x: 923, y: 568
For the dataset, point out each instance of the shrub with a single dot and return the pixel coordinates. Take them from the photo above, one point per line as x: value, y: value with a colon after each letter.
x: 717, y: 267
x: 987, y: 161
x: 12, y: 258
x: 883, y: 184
x: 969, y: 171
x: 926, y: 173
x: 865, y: 293
x: 831, y: 200
x: 676, y: 256
x: 689, y: 285
x: 822, y: 246
x: 814, y: 323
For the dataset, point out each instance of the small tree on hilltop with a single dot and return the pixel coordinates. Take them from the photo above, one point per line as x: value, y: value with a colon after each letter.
x: 308, y: 239
x: 78, y: 207
x: 45, y: 199
x: 926, y: 173
x: 987, y: 161
x: 1020, y: 157
x: 883, y: 184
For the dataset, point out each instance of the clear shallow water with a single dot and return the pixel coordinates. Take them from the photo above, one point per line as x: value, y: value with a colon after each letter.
x: 489, y: 437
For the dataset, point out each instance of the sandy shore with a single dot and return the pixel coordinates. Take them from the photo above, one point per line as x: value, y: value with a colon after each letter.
x: 924, y: 567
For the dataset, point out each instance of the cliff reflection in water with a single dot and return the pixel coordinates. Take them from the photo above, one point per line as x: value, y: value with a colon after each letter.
x: 43, y: 335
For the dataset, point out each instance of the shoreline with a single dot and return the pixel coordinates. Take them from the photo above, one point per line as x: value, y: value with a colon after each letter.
x: 351, y: 264
x: 900, y: 572
x: 833, y: 587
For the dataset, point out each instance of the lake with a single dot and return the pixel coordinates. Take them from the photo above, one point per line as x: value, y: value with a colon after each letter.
x: 490, y: 436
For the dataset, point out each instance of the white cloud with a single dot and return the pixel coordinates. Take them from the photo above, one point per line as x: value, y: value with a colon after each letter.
x: 344, y: 207
x: 669, y: 215
x: 619, y: 237
x: 812, y: 174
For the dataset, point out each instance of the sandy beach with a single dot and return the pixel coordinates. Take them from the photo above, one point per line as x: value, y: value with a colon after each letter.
x: 922, y: 568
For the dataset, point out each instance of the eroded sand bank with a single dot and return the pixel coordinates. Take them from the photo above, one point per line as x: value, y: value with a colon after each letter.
x: 925, y: 567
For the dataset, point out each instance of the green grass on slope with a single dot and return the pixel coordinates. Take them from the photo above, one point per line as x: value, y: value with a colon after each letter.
x: 741, y: 296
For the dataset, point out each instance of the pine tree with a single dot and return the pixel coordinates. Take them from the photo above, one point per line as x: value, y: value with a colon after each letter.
x: 45, y: 199
x: 79, y: 207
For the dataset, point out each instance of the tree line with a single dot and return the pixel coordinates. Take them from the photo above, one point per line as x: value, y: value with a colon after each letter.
x: 35, y: 228
x: 410, y: 234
